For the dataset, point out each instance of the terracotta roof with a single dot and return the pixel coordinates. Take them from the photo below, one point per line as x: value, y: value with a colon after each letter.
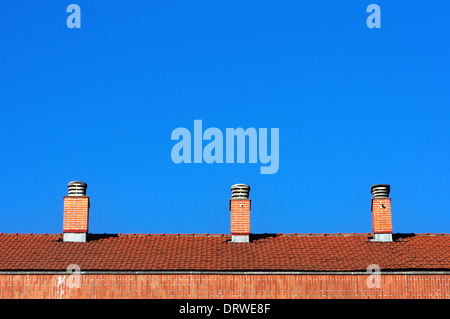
x: 283, y: 252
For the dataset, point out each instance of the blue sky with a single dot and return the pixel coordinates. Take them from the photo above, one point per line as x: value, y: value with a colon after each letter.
x: 354, y: 107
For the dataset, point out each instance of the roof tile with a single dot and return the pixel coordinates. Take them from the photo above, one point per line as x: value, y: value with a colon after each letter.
x: 197, y: 252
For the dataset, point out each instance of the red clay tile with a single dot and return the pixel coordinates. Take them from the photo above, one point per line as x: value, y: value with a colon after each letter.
x: 295, y: 252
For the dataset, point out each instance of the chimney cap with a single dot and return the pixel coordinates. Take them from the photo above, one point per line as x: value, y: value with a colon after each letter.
x: 77, y: 188
x: 380, y: 190
x: 240, y: 191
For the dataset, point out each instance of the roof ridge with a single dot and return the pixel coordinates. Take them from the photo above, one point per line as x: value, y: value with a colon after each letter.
x: 223, y: 235
x: 30, y: 234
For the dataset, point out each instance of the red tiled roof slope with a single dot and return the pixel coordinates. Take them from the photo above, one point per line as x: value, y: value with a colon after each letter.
x: 287, y: 252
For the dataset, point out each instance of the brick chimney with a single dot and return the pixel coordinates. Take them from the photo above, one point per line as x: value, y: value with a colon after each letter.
x: 381, y: 213
x: 240, y: 213
x: 76, y: 213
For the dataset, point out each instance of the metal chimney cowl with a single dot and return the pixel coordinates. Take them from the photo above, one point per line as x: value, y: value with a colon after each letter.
x: 77, y: 188
x: 240, y: 191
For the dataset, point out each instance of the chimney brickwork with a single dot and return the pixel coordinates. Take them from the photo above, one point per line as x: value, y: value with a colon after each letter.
x: 76, y: 213
x: 240, y: 206
x: 381, y: 213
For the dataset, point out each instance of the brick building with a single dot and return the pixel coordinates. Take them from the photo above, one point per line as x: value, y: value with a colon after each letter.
x: 77, y: 264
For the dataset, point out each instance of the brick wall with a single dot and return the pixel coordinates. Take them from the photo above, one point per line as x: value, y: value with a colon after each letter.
x: 224, y: 286
x: 381, y: 216
x: 76, y: 214
x: 240, y: 216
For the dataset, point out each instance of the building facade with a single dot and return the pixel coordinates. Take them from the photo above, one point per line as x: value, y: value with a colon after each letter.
x: 78, y: 264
